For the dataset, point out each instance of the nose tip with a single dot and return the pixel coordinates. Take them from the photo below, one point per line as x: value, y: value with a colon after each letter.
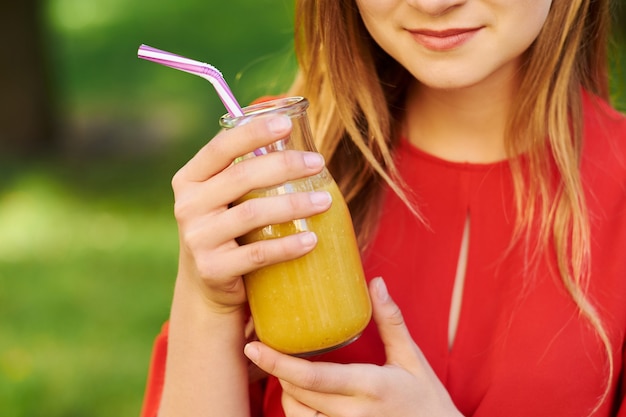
x: 435, y: 7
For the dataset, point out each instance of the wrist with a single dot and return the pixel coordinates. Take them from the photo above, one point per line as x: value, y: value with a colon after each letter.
x: 192, y: 303
x: 228, y: 297
x: 204, y: 340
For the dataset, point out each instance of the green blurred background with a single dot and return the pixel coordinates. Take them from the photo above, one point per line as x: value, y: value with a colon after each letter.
x: 90, y: 137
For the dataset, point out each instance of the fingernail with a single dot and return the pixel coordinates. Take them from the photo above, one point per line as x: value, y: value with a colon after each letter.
x: 381, y: 289
x: 252, y: 352
x: 279, y: 124
x: 313, y: 160
x: 320, y: 198
x: 308, y: 239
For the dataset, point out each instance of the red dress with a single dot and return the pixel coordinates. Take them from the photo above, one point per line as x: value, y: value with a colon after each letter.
x: 521, y: 347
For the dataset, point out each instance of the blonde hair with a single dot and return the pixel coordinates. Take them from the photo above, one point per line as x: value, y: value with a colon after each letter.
x: 357, y: 91
x: 570, y: 53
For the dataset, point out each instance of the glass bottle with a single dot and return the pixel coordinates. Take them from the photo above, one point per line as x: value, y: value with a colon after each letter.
x: 320, y: 301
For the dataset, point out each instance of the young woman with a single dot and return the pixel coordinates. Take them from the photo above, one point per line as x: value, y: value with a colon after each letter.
x: 486, y: 176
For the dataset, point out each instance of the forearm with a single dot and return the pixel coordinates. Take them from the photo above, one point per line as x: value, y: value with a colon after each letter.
x: 206, y: 371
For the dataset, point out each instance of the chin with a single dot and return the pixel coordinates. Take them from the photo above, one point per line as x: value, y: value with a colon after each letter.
x: 446, y: 84
x: 454, y: 80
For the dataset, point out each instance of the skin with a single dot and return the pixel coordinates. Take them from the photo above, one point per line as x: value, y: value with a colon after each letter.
x: 472, y: 84
x: 504, y: 30
x: 404, y: 386
x: 457, y: 111
x: 207, y: 316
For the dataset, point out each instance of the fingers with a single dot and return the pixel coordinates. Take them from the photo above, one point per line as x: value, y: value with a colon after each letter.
x: 321, y: 377
x: 255, y: 173
x: 259, y: 212
x: 400, y: 348
x: 327, y: 377
x: 211, y: 232
x: 294, y: 408
x: 228, y: 145
x: 208, y: 223
x: 244, y: 259
x: 404, y: 386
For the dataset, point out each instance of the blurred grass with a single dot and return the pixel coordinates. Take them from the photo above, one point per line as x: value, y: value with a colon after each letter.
x: 86, y: 268
x: 82, y: 288
x: 88, y: 244
x: 617, y: 64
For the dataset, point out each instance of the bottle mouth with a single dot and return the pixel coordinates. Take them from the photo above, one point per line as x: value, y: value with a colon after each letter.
x: 289, y: 106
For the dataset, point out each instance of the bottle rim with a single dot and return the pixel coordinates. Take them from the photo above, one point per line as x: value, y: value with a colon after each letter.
x: 289, y: 106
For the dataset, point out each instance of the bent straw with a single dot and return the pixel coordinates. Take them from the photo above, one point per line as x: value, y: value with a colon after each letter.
x: 201, y: 69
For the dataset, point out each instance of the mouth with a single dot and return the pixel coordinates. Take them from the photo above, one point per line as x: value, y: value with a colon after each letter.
x: 443, y: 40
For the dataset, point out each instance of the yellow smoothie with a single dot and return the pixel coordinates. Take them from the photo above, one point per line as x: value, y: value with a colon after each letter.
x: 317, y: 302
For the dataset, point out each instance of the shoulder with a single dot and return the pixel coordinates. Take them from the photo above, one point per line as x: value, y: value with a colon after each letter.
x: 603, y: 175
x: 604, y: 135
x: 601, y: 120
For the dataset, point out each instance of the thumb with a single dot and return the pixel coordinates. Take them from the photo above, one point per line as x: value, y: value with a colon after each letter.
x: 400, y: 348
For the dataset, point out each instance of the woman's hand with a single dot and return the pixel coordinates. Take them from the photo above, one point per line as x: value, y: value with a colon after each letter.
x: 210, y: 258
x: 405, y: 386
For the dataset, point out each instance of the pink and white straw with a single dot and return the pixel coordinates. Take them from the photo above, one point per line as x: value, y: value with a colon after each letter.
x: 201, y: 69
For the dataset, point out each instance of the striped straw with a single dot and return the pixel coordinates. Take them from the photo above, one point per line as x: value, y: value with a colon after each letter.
x: 201, y: 69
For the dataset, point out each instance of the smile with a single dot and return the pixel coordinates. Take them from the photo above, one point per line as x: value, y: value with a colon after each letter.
x: 444, y: 40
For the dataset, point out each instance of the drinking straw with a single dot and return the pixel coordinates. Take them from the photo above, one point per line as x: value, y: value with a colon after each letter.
x: 201, y: 69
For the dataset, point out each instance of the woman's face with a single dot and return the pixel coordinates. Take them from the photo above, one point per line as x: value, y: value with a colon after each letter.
x: 450, y: 44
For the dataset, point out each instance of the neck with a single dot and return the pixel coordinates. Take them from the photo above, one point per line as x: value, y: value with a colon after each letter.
x: 461, y: 125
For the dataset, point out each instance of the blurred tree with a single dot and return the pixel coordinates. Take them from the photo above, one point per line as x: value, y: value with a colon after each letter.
x: 26, y: 100
x: 619, y: 24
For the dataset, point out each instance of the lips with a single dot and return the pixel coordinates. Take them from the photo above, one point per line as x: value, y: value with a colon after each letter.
x: 443, y: 40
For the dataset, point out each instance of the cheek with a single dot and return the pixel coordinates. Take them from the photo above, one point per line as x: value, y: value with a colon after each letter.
x: 375, y: 12
x: 376, y: 16
x: 531, y: 17
x: 375, y: 6
x: 525, y: 21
